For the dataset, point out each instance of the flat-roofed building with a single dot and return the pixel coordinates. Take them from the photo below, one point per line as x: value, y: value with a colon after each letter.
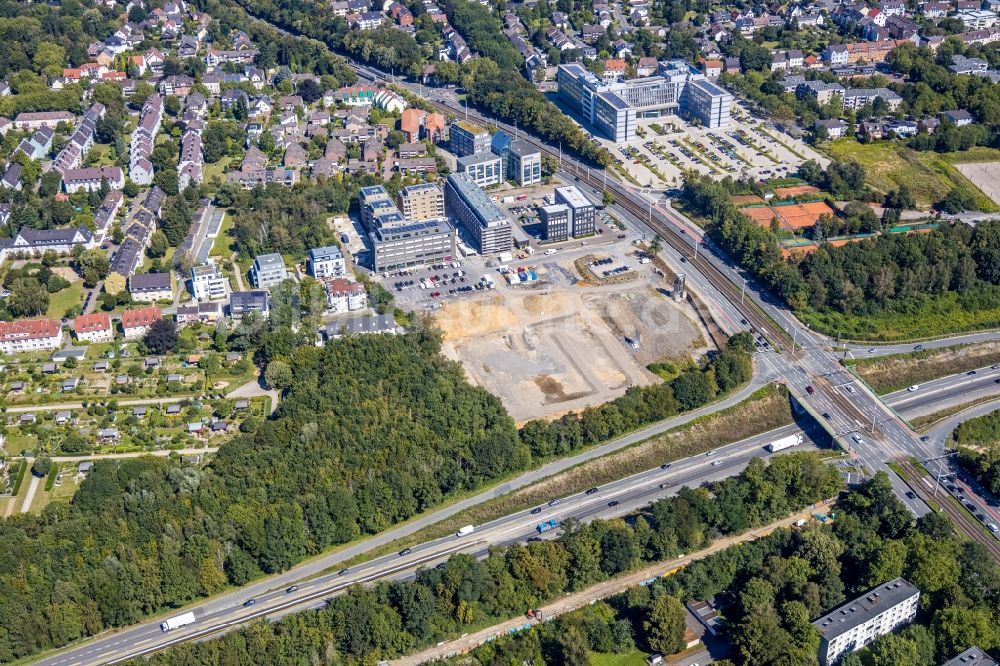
x: 325, y: 261
x: 613, y: 108
x: 208, y: 283
x: 857, y: 623
x: 486, y: 224
x: 708, y: 102
x: 484, y: 169
x: 583, y: 215
x: 972, y: 657
x: 468, y: 138
x: 424, y: 201
x: 555, y: 221
x: 524, y: 163
x: 374, y: 200
x: 268, y: 270
x: 244, y: 302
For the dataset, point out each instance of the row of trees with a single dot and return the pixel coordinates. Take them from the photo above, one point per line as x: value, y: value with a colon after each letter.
x: 393, y: 618
x: 781, y: 583
x: 372, y: 430
x: 978, y: 443
x: 890, y: 273
x: 693, y: 388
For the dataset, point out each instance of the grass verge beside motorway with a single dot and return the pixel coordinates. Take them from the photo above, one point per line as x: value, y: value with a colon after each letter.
x: 924, y: 422
x: 765, y: 410
x: 886, y: 374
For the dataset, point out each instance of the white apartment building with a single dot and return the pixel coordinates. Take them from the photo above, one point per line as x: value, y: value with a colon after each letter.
x: 208, y: 283
x: 94, y: 327
x: 325, y: 261
x: 29, y: 335
x: 857, y: 623
x: 345, y: 296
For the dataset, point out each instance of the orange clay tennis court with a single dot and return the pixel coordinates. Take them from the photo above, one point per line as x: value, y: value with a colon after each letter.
x: 795, y: 191
x: 792, y: 217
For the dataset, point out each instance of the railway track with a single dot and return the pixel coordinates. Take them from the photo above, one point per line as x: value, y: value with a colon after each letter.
x: 749, y: 309
x: 963, y: 521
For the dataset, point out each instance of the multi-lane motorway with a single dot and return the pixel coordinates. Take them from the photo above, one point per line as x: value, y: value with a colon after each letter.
x: 628, y: 495
x: 848, y: 411
x: 631, y: 493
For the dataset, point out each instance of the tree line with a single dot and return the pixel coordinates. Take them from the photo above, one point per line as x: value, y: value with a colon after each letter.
x: 888, y: 274
x: 978, y: 449
x: 771, y: 590
x: 373, y: 429
x: 393, y: 618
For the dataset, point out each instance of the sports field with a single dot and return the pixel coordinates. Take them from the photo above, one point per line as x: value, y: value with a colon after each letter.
x: 929, y: 175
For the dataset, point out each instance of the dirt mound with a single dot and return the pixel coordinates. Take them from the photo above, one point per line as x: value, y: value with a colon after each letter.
x: 464, y: 319
x: 548, y: 304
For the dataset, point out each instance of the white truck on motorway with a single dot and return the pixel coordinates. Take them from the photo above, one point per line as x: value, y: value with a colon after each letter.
x: 784, y: 443
x: 465, y: 531
x: 177, y: 622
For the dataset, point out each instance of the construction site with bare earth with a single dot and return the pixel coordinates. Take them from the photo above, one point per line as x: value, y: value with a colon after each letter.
x: 551, y: 351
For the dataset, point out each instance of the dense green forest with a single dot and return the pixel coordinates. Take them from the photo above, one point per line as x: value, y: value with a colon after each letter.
x: 978, y: 444
x: 889, y: 286
x: 385, y: 621
x: 778, y: 584
x: 372, y: 430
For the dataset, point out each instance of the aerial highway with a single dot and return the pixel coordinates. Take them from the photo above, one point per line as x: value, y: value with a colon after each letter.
x: 859, y: 420
x: 945, y: 392
x: 613, y: 499
x: 227, y: 612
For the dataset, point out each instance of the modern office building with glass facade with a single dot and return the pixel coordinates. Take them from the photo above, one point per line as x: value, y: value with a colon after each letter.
x: 613, y: 108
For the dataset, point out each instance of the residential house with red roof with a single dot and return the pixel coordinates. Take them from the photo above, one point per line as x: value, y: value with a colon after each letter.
x: 30, y: 335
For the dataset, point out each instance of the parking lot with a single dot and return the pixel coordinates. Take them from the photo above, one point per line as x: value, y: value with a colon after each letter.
x: 670, y: 146
x: 431, y: 284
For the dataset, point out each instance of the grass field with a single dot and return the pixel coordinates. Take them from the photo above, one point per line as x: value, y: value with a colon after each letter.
x: 633, y: 658
x: 223, y: 245
x: 62, y: 301
x: 211, y: 171
x: 932, y: 317
x: 929, y: 175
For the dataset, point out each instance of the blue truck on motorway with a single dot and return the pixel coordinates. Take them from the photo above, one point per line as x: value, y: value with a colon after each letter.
x: 547, y: 525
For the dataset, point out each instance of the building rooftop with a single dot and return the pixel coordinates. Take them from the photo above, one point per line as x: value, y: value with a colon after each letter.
x: 479, y: 201
x: 354, y: 325
x: 573, y: 197
x: 140, y: 317
x: 866, y: 607
x: 418, y: 188
x: 522, y: 148
x: 326, y: 252
x: 96, y: 321
x: 28, y: 329
x: 271, y: 261
x: 149, y: 281
x: 471, y: 128
x: 972, y: 657
x: 478, y: 158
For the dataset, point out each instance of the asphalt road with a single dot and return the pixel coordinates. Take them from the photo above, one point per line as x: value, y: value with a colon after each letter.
x: 861, y: 349
x: 942, y: 393
x: 226, y: 612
